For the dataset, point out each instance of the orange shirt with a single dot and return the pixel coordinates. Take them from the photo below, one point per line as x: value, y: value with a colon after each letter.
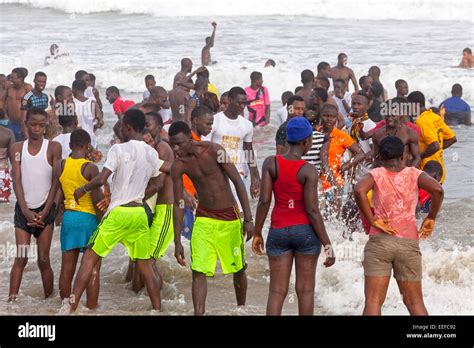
x: 339, y: 142
x: 187, y: 183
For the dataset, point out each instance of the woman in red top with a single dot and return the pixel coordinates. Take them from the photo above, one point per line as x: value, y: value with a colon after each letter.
x: 297, y: 229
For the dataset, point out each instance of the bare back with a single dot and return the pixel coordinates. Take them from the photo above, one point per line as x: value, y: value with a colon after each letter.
x: 165, y: 195
x: 177, y: 99
x: 206, y: 55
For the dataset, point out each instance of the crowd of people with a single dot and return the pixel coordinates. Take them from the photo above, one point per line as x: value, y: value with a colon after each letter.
x: 182, y: 163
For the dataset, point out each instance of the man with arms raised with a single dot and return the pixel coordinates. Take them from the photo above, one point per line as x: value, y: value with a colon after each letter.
x: 206, y: 51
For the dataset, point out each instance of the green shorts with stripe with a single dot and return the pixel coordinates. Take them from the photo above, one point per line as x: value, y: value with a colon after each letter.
x: 126, y: 225
x: 214, y: 238
x: 161, y: 231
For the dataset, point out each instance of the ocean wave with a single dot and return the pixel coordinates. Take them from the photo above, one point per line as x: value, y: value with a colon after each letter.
x: 427, y: 10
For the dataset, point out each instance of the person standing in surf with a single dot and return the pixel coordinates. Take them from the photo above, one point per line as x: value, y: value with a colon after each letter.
x: 393, y: 237
x: 218, y: 230
x: 206, y: 50
x: 297, y: 228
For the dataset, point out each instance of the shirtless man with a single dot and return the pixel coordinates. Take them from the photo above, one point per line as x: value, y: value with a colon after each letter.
x: 162, y: 229
x: 307, y: 78
x: 177, y: 97
x: 374, y: 72
x: 396, y: 127
x: 206, y: 51
x: 184, y: 76
x: 13, y: 102
x: 218, y: 226
x: 467, y: 59
x: 341, y: 71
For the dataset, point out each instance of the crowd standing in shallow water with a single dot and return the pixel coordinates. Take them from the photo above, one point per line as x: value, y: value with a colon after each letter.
x: 183, y: 162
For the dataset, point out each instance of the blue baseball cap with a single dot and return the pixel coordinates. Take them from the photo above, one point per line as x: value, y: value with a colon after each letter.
x: 298, y: 129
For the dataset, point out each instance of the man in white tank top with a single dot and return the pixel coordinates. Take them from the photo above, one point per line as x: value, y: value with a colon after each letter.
x: 89, y: 115
x: 32, y: 161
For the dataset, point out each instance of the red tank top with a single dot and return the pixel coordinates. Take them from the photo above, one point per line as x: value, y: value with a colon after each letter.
x: 289, y: 209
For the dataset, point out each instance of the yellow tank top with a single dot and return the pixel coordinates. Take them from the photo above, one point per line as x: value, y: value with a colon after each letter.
x: 71, y: 179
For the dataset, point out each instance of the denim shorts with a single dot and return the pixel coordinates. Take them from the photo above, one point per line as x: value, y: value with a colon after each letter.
x: 299, y: 239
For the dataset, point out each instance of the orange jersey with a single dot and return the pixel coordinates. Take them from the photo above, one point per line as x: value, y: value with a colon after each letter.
x: 339, y: 143
x: 187, y: 183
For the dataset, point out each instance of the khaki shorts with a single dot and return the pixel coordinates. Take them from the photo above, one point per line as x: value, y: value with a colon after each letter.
x: 384, y: 252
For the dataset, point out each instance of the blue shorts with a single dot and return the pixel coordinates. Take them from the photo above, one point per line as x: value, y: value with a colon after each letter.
x: 299, y: 239
x: 15, y: 127
x: 76, y: 229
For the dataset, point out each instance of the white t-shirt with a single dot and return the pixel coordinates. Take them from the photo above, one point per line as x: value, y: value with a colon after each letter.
x: 340, y: 106
x: 165, y: 114
x: 89, y: 93
x: 231, y: 135
x: 282, y: 114
x: 364, y: 167
x: 64, y: 140
x: 146, y: 94
x: 133, y: 164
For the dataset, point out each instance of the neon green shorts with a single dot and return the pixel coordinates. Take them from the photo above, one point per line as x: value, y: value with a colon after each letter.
x: 214, y: 238
x: 161, y: 231
x: 126, y: 225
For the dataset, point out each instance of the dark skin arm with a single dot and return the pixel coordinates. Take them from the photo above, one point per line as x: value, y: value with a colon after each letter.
x: 57, y: 171
x: 430, y: 150
x: 447, y: 143
x: 264, y: 202
x: 166, y: 167
x: 213, y: 35
x: 375, y: 143
x: 54, y: 155
x: 254, y: 175
x: 340, y: 123
x: 353, y: 79
x: 190, y: 107
x: 15, y: 158
x: 178, y: 209
x: 267, y: 113
x: 231, y: 171
x: 434, y: 188
x: 358, y: 155
x: 309, y: 176
x: 99, y: 115
x: 97, y: 97
x: 94, y: 184
x: 324, y: 152
x: 414, y: 148
x: 154, y: 185
x: 90, y: 172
